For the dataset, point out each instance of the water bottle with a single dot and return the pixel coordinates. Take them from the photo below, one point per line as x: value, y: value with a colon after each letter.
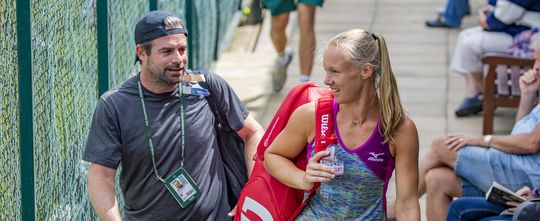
x: 326, y: 189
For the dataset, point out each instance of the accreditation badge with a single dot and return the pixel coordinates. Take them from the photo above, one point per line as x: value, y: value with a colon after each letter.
x: 182, y: 187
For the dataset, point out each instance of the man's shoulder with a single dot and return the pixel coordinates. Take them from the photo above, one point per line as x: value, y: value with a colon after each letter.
x: 127, y: 87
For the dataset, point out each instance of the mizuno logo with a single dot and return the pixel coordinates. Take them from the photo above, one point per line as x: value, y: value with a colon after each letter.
x: 375, y: 157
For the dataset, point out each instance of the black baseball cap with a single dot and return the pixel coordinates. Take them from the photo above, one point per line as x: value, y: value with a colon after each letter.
x: 152, y: 26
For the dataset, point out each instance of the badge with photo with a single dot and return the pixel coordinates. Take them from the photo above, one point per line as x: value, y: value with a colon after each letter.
x: 182, y: 187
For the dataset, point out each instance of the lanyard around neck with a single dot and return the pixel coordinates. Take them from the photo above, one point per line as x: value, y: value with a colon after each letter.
x: 149, y: 132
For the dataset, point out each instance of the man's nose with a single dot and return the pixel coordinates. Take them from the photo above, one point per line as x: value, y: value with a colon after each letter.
x: 177, y: 58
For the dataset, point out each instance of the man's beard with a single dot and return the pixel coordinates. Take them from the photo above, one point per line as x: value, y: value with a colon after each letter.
x: 160, y: 76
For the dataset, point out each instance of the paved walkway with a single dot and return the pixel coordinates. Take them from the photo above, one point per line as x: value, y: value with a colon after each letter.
x: 420, y: 58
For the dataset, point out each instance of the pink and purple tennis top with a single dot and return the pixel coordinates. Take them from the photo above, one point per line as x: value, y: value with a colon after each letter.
x: 360, y: 193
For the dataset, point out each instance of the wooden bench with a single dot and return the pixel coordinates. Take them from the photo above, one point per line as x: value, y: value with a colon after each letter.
x: 501, y: 84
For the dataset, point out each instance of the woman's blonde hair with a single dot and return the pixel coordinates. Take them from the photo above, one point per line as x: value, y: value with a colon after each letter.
x: 364, y: 48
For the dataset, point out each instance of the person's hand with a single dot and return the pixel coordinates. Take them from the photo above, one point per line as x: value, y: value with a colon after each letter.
x: 456, y: 141
x: 529, y: 82
x: 524, y: 192
x: 317, y: 172
x: 233, y: 211
x: 482, y: 17
x: 512, y: 206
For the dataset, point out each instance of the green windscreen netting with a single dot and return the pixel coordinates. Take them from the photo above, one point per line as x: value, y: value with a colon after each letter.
x: 203, y: 32
x: 10, y: 196
x: 123, y: 15
x: 225, y: 12
x: 64, y: 61
x: 64, y: 84
x: 178, y: 7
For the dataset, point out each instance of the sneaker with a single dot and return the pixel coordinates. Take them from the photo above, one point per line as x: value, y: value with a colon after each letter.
x: 279, y: 75
x: 438, y: 23
x: 470, y: 106
x: 304, y: 78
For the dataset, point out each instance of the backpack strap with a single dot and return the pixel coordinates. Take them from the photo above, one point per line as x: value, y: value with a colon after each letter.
x: 231, y: 146
x: 221, y: 122
x: 324, y: 127
x: 324, y: 136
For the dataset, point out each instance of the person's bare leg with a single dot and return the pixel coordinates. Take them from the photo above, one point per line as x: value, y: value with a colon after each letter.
x: 437, y: 156
x: 306, y: 20
x: 442, y: 186
x: 277, y: 32
x: 478, y: 82
x: 473, y: 84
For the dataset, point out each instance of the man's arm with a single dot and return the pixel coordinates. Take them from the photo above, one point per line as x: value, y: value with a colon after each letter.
x: 251, y: 134
x: 101, y: 191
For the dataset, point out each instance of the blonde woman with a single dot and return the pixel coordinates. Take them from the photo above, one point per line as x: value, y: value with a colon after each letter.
x: 374, y: 137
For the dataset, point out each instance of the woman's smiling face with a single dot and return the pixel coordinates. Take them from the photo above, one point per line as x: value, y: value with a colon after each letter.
x: 342, y: 76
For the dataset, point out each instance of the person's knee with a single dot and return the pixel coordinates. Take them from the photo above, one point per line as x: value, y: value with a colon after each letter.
x: 306, y: 17
x: 442, y: 181
x: 279, y: 22
x: 434, y: 178
x: 438, y: 148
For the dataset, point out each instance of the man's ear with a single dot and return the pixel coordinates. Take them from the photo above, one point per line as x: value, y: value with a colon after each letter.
x: 140, y: 52
x: 367, y: 71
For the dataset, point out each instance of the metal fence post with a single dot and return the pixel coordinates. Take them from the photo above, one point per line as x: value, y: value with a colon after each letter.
x: 153, y: 5
x: 102, y: 45
x: 216, y: 48
x: 189, y: 24
x: 26, y: 126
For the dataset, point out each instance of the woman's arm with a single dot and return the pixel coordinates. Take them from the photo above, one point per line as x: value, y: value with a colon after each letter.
x: 515, y: 143
x: 406, y: 155
x: 279, y: 156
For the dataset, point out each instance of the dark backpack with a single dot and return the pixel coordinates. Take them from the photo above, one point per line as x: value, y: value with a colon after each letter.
x: 231, y: 148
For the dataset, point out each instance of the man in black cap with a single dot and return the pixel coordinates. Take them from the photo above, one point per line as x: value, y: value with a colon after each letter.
x: 160, y: 128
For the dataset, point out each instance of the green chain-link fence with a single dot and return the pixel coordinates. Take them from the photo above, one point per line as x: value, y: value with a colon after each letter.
x: 64, y: 67
x: 10, y: 196
x: 64, y: 74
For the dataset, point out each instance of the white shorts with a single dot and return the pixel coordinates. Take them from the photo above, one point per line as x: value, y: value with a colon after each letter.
x: 473, y: 44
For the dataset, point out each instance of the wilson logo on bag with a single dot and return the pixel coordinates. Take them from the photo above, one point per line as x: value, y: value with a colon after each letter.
x: 264, y: 197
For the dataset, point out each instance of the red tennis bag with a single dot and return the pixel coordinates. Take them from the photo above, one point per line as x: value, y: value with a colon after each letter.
x: 266, y: 198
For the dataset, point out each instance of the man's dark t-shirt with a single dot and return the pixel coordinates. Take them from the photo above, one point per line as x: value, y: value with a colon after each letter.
x: 117, y: 137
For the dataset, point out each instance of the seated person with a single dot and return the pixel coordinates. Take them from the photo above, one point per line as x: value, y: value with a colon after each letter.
x: 458, y: 165
x: 499, y: 22
x: 478, y: 208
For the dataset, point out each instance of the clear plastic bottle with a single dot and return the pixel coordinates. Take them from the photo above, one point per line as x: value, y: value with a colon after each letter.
x: 326, y: 190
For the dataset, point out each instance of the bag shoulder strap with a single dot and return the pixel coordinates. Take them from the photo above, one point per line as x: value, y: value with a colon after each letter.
x: 324, y: 136
x: 324, y: 127
x: 221, y: 122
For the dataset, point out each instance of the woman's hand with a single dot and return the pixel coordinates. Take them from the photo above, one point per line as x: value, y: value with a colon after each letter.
x: 482, y: 18
x: 525, y: 192
x: 456, y: 141
x: 317, y: 172
x: 529, y: 82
